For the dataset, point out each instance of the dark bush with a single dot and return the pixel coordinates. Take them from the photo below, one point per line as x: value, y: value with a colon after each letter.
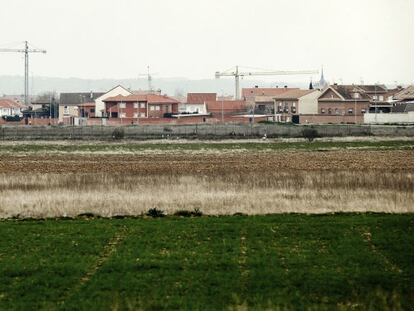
x: 310, y: 134
x: 184, y: 213
x: 118, y: 133
x: 155, y: 213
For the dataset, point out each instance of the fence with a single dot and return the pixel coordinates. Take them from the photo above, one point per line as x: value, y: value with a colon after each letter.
x: 211, y: 131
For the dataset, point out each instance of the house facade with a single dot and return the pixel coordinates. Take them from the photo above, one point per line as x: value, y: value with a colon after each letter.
x: 343, y: 100
x: 100, y: 104
x: 140, y: 106
x: 249, y: 95
x: 9, y: 107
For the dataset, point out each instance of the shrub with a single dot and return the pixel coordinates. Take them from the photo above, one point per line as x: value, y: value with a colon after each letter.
x: 184, y: 213
x: 118, y: 133
x: 310, y: 134
x: 155, y: 213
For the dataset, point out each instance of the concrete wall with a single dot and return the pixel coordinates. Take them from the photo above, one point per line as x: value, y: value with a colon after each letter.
x: 381, y: 118
x: 330, y: 119
x: 212, y: 131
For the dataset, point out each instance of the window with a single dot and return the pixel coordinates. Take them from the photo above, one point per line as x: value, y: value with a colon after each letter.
x: 142, y: 114
x: 121, y: 105
x: 329, y: 110
x: 350, y: 111
x: 66, y: 110
x: 152, y: 108
x: 142, y: 105
x: 157, y: 107
x: 381, y: 98
x: 92, y: 110
x: 374, y: 97
x: 337, y: 111
x: 136, y: 105
x: 293, y: 108
x: 135, y: 115
x: 322, y: 110
x: 356, y: 95
x: 122, y: 115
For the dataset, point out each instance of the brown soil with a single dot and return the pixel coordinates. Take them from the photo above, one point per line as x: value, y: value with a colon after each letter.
x: 164, y: 163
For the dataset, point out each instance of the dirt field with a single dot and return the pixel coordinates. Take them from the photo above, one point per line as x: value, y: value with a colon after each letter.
x: 220, y: 163
x: 107, y: 183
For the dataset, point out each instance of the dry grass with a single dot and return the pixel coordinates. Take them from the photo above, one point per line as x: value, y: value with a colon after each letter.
x: 109, y: 194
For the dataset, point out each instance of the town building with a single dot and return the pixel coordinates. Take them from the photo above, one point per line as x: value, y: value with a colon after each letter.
x: 69, y: 104
x: 288, y: 104
x: 99, y: 102
x: 140, y: 106
x: 9, y: 107
x: 196, y: 103
x: 249, y: 94
x: 342, y: 104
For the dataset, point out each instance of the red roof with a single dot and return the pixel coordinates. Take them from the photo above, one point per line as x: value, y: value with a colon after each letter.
x: 228, y: 106
x: 200, y: 98
x: 87, y: 105
x: 8, y: 103
x: 150, y: 98
x: 255, y: 91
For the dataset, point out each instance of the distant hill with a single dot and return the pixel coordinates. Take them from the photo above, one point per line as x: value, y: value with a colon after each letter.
x: 171, y: 86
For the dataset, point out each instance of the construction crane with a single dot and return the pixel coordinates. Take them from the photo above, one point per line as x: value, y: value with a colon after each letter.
x: 149, y: 78
x: 26, y: 52
x: 234, y: 71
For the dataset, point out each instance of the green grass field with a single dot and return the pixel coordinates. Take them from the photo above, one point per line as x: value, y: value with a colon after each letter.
x: 343, y: 261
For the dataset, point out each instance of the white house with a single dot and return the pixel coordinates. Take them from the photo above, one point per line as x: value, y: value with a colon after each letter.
x: 100, y: 105
x: 9, y: 107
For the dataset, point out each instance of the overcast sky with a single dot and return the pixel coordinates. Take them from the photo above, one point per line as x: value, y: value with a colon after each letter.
x: 352, y: 39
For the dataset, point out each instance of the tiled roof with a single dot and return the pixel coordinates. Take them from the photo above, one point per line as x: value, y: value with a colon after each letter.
x: 294, y: 94
x: 405, y: 94
x: 200, y: 98
x: 74, y: 99
x: 347, y: 91
x: 249, y: 92
x: 8, y: 103
x: 150, y: 98
x: 373, y: 88
x: 87, y: 105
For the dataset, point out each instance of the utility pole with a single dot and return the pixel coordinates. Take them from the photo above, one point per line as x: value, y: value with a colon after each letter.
x: 26, y: 52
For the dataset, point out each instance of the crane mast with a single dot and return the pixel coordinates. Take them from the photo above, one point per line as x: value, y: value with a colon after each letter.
x: 26, y: 52
x: 236, y: 73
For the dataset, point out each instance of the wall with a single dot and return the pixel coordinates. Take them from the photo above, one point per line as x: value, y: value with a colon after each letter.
x: 201, y: 108
x: 308, y: 104
x: 343, y: 107
x: 211, y: 131
x: 389, y: 117
x: 329, y: 119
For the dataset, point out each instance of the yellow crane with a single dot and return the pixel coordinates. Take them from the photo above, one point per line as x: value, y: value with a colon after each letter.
x: 236, y: 73
x: 26, y: 50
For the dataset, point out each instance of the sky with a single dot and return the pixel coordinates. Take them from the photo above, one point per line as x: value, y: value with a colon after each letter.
x: 370, y: 41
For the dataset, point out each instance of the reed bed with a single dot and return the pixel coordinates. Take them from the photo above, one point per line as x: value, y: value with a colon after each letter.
x: 43, y: 195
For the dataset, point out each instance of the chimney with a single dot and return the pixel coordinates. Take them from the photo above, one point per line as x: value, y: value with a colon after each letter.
x: 91, y: 96
x: 285, y: 86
